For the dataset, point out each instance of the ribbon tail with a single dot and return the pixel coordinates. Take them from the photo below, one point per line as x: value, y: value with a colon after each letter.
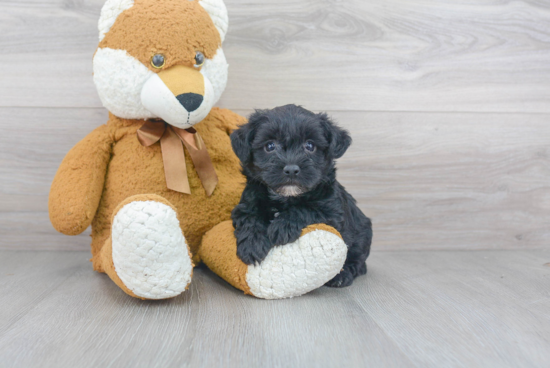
x: 173, y: 158
x: 203, y: 164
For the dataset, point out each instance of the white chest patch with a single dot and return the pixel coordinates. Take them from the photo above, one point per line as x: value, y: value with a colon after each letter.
x: 290, y: 191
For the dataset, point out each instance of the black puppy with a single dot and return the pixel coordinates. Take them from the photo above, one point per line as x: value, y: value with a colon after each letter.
x: 287, y: 155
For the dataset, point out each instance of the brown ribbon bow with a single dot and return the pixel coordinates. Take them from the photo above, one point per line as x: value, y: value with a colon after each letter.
x: 172, y: 140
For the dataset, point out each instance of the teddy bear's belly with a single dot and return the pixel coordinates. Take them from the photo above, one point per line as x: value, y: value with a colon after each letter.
x: 135, y: 169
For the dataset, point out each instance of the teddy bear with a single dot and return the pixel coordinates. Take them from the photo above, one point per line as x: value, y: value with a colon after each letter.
x: 158, y: 181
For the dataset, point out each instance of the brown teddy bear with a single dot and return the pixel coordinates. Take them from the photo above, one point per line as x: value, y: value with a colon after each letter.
x: 161, y: 173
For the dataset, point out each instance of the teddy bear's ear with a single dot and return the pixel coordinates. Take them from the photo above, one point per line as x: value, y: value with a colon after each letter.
x: 109, y: 13
x: 113, y: 8
x: 218, y: 12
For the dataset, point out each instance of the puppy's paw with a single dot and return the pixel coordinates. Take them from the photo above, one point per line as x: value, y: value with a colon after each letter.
x: 362, y: 269
x: 282, y: 232
x: 253, y: 249
x: 343, y: 279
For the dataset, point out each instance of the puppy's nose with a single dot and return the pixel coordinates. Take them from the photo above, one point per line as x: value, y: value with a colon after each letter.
x: 291, y: 170
x: 191, y: 101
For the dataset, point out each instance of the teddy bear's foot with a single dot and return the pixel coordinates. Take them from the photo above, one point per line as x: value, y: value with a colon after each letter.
x: 289, y: 270
x: 149, y: 254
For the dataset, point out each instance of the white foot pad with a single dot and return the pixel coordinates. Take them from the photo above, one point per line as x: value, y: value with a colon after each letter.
x: 297, y: 268
x: 149, y: 250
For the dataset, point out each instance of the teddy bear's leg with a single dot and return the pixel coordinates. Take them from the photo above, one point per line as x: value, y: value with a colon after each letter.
x: 289, y: 270
x: 147, y: 255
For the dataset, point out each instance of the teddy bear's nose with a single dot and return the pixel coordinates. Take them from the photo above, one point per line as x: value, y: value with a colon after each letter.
x: 191, y: 101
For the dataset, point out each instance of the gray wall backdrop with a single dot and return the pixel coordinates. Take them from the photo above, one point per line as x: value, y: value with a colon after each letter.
x: 448, y: 103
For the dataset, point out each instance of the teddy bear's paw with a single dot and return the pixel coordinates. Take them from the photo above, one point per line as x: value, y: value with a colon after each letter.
x: 299, y: 267
x: 150, y: 254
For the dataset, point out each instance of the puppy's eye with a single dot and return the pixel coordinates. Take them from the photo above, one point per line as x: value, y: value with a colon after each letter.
x: 270, y: 147
x: 199, y: 59
x: 158, y: 61
x: 309, y: 146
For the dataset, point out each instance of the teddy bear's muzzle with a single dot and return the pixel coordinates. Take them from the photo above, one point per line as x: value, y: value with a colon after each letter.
x: 181, y: 96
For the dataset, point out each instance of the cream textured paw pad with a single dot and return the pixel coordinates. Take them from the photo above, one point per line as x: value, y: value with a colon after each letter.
x: 150, y: 253
x: 297, y: 268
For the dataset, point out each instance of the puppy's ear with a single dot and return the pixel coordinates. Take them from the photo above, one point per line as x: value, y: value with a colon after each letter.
x: 241, y: 139
x: 337, y: 137
x: 241, y: 143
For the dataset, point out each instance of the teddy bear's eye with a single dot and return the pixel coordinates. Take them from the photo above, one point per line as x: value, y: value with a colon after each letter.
x: 310, y: 146
x: 158, y: 61
x: 270, y: 147
x: 199, y: 59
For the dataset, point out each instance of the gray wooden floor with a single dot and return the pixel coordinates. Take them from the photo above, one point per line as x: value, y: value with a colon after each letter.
x: 414, y: 309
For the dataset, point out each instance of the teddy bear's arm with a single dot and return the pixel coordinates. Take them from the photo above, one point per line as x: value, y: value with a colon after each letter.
x: 77, y: 187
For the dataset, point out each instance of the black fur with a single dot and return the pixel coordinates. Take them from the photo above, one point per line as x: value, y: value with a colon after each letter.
x: 266, y: 215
